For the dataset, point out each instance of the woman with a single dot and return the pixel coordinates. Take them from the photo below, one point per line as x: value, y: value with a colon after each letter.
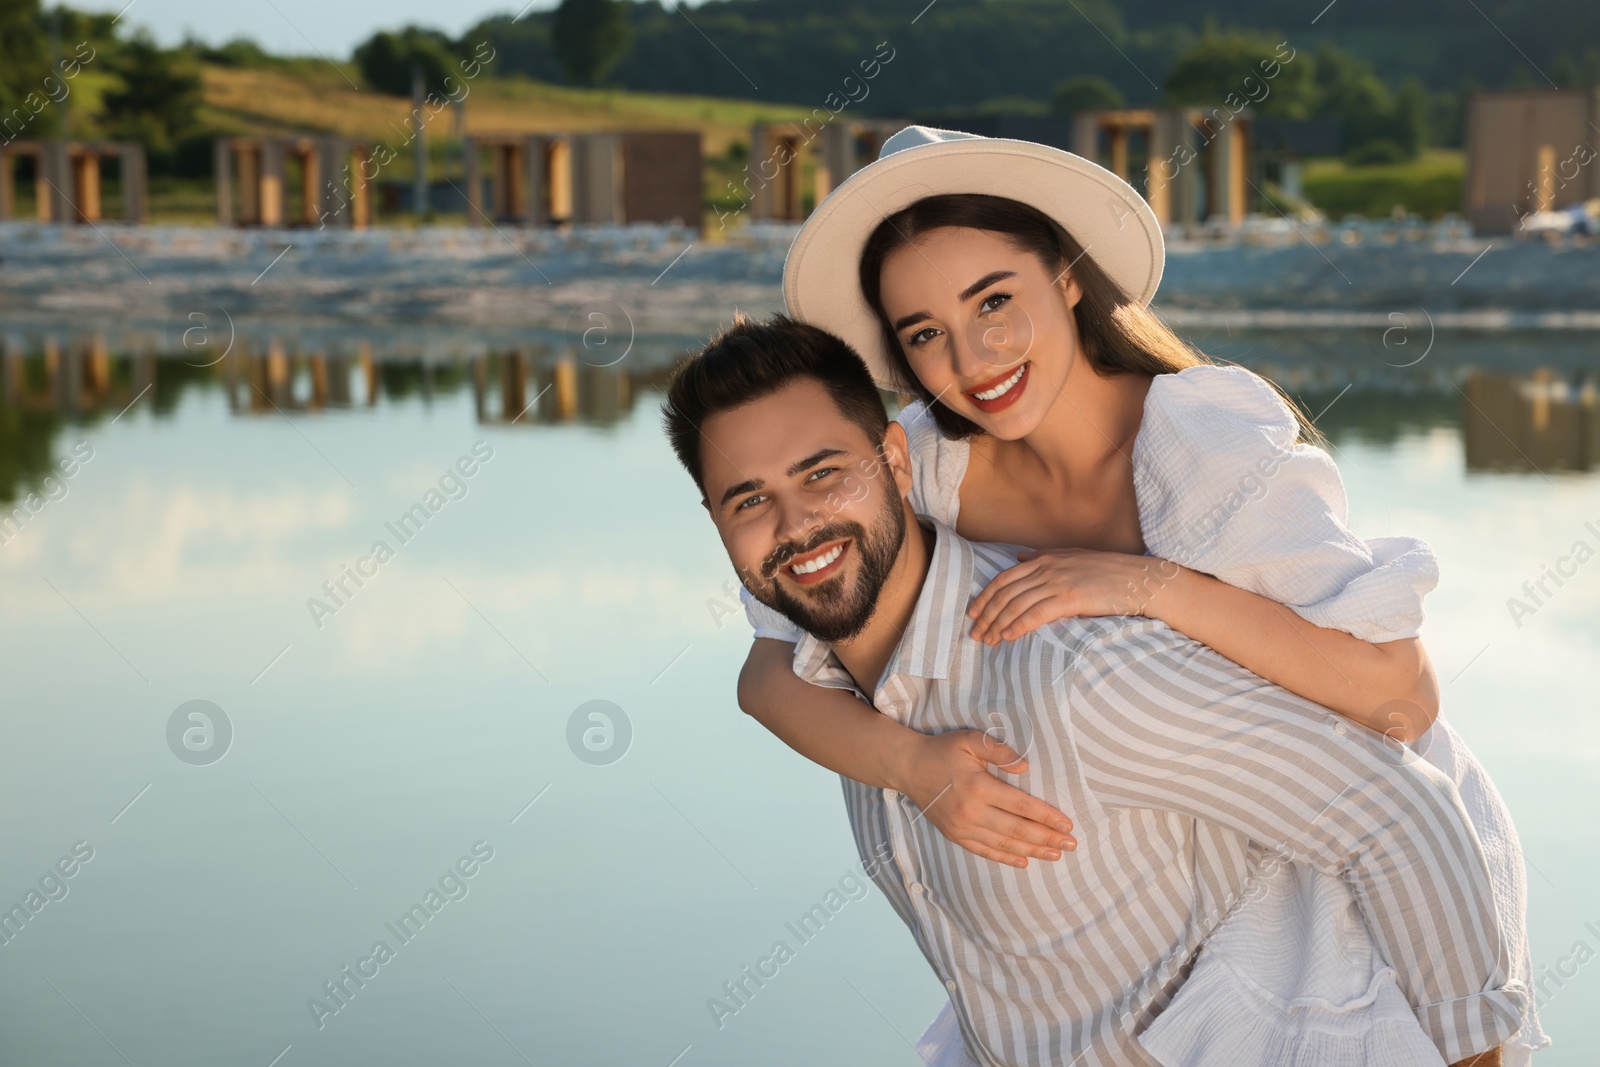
x: 1055, y: 411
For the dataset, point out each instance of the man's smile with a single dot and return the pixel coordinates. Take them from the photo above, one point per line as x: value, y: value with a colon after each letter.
x: 820, y: 564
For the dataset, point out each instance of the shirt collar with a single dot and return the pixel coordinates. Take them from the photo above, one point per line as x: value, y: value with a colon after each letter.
x: 938, y: 621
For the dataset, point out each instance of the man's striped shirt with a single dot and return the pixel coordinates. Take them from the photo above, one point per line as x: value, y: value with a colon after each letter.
x: 1182, y: 770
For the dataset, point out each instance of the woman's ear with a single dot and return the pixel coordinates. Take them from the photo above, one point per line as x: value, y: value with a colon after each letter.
x: 1068, y: 283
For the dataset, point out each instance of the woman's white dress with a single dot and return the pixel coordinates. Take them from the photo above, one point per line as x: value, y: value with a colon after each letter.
x: 1290, y: 978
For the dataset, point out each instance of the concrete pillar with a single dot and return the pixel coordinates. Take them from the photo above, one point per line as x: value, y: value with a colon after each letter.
x: 55, y: 183
x: 272, y: 182
x: 85, y: 188
x: 135, y: 184
x: 1186, y: 186
x: 788, y: 180
x: 1119, y: 151
x: 597, y: 178
x: 8, y: 185
x: 222, y: 167
x: 1227, y: 172
x: 471, y: 167
x: 1593, y: 124
x: 837, y: 162
x: 1086, y: 135
x: 331, y: 206
x: 359, y: 189
x: 248, y: 154
x: 755, y: 186
x: 497, y: 182
x: 310, y: 183
x: 560, y: 156
x: 536, y: 180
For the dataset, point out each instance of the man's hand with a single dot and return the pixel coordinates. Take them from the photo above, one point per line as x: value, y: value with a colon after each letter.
x: 947, y: 776
x: 1482, y: 1059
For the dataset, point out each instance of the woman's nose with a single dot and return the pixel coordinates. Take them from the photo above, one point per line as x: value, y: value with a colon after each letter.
x: 983, y: 348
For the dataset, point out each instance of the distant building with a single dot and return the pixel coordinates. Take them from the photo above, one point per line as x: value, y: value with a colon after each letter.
x: 67, y: 179
x: 602, y: 177
x: 1530, y: 150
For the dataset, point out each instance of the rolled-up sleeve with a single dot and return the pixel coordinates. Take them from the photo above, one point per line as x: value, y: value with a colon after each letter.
x: 1173, y: 726
x: 767, y: 622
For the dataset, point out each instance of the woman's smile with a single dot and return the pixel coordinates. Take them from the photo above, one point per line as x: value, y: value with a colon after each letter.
x: 1000, y: 392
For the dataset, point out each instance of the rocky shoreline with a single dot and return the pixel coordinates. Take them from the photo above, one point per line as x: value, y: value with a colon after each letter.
x: 446, y: 288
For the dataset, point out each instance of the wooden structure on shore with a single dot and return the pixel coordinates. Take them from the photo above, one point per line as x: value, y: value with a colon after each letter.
x: 550, y: 178
x: 773, y: 183
x: 292, y: 181
x: 1529, y: 150
x: 1191, y: 165
x: 1195, y: 164
x: 67, y: 179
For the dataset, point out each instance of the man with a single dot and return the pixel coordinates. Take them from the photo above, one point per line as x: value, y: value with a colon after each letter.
x: 1184, y: 767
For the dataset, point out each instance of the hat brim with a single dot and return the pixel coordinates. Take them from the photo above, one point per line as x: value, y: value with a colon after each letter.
x: 1103, y: 213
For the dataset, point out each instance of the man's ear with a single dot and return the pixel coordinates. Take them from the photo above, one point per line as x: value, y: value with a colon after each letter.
x: 897, y: 456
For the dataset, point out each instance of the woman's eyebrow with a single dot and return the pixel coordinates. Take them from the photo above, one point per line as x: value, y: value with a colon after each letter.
x: 966, y: 294
x: 984, y: 282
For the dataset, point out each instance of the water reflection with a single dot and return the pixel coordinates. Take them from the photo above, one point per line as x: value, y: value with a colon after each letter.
x: 45, y: 389
x: 1528, y: 422
x: 1521, y: 421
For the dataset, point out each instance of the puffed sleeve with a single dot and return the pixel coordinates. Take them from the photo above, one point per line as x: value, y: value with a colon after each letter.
x: 937, y: 465
x: 1224, y: 488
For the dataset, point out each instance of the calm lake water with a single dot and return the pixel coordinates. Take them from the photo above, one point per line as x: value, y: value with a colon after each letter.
x: 416, y: 732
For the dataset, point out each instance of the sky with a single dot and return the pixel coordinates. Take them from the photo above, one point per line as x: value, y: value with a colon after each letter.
x: 301, y: 27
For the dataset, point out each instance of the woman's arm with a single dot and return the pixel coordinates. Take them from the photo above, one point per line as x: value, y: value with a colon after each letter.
x: 946, y: 775
x: 1388, y: 687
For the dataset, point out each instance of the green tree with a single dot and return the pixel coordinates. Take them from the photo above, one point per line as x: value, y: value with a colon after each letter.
x: 1085, y: 92
x: 1239, y: 69
x: 386, y: 60
x: 24, y: 56
x: 1566, y: 71
x: 1409, y: 125
x: 590, y: 38
x: 1349, y: 91
x: 157, y: 98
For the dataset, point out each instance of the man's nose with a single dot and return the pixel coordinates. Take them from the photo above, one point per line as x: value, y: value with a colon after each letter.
x: 797, y: 517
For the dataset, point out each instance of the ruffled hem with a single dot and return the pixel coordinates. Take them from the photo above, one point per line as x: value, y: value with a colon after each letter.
x: 1221, y: 1019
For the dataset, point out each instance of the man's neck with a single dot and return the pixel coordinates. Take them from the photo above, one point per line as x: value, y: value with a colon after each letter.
x: 867, y: 654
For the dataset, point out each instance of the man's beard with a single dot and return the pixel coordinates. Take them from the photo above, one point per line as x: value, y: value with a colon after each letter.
x: 836, y: 611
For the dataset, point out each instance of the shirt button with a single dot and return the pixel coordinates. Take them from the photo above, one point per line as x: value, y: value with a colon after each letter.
x: 1338, y: 728
x: 950, y: 984
x: 917, y: 887
x: 890, y: 794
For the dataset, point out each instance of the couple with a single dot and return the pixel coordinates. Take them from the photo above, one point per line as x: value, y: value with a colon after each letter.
x: 1198, y: 660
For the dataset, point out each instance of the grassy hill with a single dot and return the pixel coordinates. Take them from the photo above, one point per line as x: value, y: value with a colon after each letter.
x: 320, y: 100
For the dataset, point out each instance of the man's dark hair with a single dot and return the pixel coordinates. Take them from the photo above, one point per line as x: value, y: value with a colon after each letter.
x: 750, y: 360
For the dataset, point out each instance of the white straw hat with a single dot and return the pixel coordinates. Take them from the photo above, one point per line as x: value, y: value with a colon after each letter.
x: 1103, y: 213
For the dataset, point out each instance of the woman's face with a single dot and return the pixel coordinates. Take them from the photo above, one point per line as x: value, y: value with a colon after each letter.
x: 986, y: 327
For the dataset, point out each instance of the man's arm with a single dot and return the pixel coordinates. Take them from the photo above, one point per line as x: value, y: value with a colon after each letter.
x: 1162, y: 722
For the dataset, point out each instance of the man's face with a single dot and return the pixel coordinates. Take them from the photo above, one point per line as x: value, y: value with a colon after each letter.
x: 811, y: 514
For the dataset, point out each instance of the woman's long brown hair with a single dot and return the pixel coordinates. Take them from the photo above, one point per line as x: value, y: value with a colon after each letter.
x: 1118, y: 334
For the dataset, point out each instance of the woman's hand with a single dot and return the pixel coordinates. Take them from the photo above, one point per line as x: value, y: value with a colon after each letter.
x: 947, y: 776
x: 1063, y: 583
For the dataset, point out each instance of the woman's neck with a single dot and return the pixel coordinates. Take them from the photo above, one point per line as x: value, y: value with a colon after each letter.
x: 1091, y: 424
